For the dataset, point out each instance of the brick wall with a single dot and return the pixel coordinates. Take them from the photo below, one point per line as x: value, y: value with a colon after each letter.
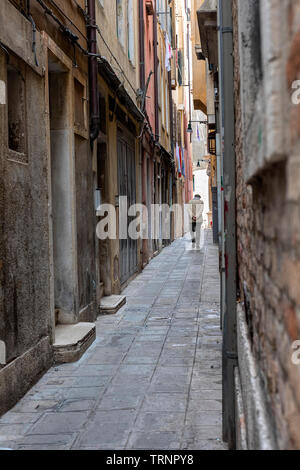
x: 268, y: 241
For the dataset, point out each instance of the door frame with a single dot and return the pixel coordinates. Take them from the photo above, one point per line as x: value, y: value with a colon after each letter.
x: 124, y: 136
x: 51, y: 46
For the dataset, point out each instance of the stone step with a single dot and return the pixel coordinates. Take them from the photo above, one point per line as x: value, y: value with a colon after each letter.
x: 111, y: 304
x: 71, y: 341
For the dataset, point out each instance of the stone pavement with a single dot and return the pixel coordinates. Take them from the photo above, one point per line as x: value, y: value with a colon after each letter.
x: 152, y: 380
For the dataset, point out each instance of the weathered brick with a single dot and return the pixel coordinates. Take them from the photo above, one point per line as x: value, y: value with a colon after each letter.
x: 268, y: 239
x: 291, y: 277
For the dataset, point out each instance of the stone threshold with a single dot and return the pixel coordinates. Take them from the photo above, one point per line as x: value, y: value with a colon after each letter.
x: 111, y: 304
x: 71, y: 341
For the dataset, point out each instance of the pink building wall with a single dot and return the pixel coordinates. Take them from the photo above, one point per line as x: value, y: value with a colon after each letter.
x: 149, y: 66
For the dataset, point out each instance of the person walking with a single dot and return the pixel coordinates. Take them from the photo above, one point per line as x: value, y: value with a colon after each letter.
x: 196, y: 207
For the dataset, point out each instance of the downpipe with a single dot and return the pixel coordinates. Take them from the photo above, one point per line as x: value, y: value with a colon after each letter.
x: 155, y: 72
x: 93, y: 71
x: 230, y: 359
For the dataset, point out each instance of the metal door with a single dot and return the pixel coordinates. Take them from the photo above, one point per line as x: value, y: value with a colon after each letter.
x: 127, y: 187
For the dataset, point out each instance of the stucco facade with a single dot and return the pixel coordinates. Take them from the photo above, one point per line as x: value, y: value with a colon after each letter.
x: 182, y: 94
x: 47, y: 248
x: 199, y: 66
x: 61, y: 160
x: 117, y: 44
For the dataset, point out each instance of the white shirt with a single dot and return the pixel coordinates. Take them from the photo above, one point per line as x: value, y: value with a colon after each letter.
x: 195, y: 209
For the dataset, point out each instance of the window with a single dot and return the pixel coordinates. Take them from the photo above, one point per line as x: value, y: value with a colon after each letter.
x: 131, y: 31
x: 167, y: 109
x: 162, y: 98
x: 162, y: 8
x: 120, y: 21
x: 180, y: 67
x: 159, y: 84
x: 16, y: 109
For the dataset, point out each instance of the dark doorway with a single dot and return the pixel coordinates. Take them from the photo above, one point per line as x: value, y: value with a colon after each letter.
x: 127, y: 187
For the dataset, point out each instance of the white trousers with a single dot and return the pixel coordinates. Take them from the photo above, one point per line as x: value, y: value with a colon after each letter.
x: 197, y: 234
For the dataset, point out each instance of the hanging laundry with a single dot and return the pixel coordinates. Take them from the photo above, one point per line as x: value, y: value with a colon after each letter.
x: 178, y: 160
x: 198, y: 133
x: 169, y: 54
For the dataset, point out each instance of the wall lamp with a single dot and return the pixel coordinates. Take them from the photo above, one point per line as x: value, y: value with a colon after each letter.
x: 190, y: 127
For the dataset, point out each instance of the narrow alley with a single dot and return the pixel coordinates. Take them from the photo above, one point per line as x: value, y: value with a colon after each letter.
x: 152, y: 379
x: 149, y: 225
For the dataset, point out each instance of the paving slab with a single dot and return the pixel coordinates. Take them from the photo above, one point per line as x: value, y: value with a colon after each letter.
x: 163, y: 440
x: 152, y: 379
x: 157, y: 421
x: 100, y: 435
x: 53, y: 423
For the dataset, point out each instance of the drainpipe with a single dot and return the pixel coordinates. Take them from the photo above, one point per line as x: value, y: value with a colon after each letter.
x: 229, y: 235
x: 143, y: 160
x: 155, y: 73
x: 93, y: 71
x: 142, y: 44
x: 171, y: 113
x: 189, y: 76
x: 190, y: 97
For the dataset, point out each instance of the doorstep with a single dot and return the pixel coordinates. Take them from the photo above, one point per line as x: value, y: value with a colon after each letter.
x: 71, y: 341
x: 111, y: 304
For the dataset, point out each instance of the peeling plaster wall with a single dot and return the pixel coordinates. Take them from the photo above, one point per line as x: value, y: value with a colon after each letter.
x: 24, y: 258
x: 26, y: 237
x: 25, y: 302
